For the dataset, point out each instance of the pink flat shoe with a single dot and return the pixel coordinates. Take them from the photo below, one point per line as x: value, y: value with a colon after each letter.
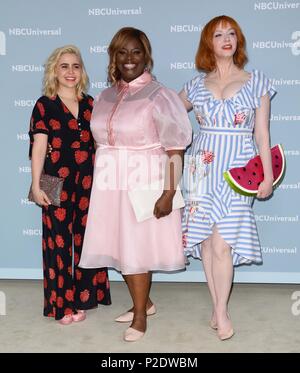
x: 132, y: 335
x: 128, y: 316
x: 66, y: 320
x: 79, y: 316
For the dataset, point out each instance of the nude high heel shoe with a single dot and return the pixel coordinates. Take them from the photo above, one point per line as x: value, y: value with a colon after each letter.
x: 225, y: 335
x: 128, y: 316
x: 214, y: 324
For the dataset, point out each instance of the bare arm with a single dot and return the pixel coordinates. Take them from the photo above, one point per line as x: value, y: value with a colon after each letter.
x: 185, y: 101
x: 39, y: 150
x: 174, y: 164
x: 262, y: 138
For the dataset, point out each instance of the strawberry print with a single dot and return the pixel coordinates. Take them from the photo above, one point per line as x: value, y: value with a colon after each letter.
x: 76, y: 258
x: 64, y: 172
x: 85, y: 136
x: 60, y: 264
x: 60, y: 214
x: 100, y: 295
x: 50, y: 243
x: 55, y: 156
x: 51, y: 274
x: 78, y: 274
x: 69, y: 295
x: 81, y: 156
x: 77, y: 239
x: 71, y: 158
x: 84, y: 296
x: 59, y: 241
x: 68, y: 311
x: 40, y: 125
x: 73, y: 125
x: 61, y: 281
x: 75, y: 145
x: 87, y: 182
x: 83, y: 203
x: 52, y: 297
x: 84, y: 220
x: 59, y: 302
x: 63, y: 196
x: 87, y: 115
x: 55, y: 124
x: 56, y: 142
x: 101, y: 277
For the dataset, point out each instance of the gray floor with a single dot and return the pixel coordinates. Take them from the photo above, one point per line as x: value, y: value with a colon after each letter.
x: 262, y: 317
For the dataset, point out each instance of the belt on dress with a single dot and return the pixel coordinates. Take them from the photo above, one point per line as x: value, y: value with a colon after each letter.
x: 226, y: 131
x: 125, y: 147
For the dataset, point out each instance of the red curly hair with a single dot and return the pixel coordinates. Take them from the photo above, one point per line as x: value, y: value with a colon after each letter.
x: 205, y: 58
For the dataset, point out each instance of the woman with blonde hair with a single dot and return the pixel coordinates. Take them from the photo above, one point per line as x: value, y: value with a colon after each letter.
x: 136, y: 123
x: 230, y: 105
x: 60, y: 121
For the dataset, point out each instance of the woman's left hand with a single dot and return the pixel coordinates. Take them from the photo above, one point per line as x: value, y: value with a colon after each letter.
x: 163, y: 205
x: 265, y: 189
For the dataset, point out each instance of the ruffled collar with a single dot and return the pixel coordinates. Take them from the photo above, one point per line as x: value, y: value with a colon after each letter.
x: 136, y: 84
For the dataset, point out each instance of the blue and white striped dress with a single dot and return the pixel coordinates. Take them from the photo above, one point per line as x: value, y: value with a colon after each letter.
x: 225, y: 140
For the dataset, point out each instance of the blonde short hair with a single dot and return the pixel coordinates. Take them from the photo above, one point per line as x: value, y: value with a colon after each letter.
x: 50, y: 83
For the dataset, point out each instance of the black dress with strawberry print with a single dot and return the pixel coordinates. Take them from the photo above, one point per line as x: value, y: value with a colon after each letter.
x: 67, y: 287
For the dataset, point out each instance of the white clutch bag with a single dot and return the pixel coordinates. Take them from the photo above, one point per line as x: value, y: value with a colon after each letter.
x: 143, y: 199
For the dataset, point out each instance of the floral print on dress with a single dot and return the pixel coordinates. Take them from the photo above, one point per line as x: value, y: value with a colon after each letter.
x: 239, y: 118
x: 66, y: 287
x: 207, y: 157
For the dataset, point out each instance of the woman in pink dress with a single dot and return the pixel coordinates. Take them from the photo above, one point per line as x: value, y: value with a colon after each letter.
x: 140, y: 127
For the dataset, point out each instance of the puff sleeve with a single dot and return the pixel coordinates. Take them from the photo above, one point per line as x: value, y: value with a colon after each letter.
x: 261, y: 86
x: 39, y: 122
x: 171, y: 120
x: 194, y: 89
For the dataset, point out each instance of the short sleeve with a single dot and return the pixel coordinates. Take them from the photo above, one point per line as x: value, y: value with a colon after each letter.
x: 171, y: 120
x: 193, y: 87
x: 261, y: 86
x: 38, y: 122
x: 90, y: 101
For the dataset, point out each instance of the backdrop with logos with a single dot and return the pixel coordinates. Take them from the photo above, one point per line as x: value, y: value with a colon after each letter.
x: 31, y: 30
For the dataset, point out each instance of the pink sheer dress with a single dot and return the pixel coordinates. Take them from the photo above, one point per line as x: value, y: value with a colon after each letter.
x: 133, y: 125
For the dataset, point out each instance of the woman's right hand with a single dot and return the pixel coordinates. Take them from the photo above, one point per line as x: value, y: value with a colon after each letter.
x: 40, y: 197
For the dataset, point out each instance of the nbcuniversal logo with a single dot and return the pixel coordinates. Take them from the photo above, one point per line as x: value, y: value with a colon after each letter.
x: 2, y: 44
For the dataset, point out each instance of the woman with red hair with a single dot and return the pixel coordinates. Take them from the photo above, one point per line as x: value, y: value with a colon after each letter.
x: 230, y: 105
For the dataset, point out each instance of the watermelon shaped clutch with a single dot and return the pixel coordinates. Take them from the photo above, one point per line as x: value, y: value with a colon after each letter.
x: 245, y: 180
